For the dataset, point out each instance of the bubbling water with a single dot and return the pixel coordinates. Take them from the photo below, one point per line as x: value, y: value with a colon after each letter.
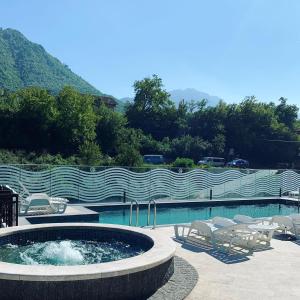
x: 67, y: 252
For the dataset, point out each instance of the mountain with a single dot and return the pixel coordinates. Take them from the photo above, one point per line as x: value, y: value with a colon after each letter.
x: 186, y: 94
x: 192, y: 94
x: 23, y: 63
x: 126, y: 99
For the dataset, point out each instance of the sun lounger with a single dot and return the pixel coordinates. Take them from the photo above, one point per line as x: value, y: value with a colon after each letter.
x: 285, y: 224
x: 261, y: 225
x: 202, y: 232
x: 243, y: 219
x: 222, y: 222
x: 181, y: 231
x: 236, y: 236
x: 40, y: 203
x: 293, y: 194
x: 296, y: 224
x: 223, y: 233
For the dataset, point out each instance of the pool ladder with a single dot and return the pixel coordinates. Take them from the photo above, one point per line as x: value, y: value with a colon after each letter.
x: 134, y: 202
x: 149, y: 212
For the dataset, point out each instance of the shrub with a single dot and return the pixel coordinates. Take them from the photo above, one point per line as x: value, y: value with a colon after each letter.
x: 129, y: 156
x: 185, y: 163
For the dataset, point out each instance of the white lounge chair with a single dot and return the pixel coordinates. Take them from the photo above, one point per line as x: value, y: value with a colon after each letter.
x: 222, y: 222
x: 285, y: 224
x: 236, y: 236
x: 224, y: 237
x: 243, y: 219
x: 244, y: 238
x: 296, y: 224
x: 202, y: 232
x: 262, y: 226
x: 181, y: 231
x: 40, y: 203
x: 293, y: 194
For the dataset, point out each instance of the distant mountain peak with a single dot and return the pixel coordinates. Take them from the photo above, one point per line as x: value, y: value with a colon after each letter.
x: 24, y: 63
x: 189, y: 94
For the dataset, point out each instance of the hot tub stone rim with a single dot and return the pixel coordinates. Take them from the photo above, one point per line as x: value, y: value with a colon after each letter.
x: 163, y: 249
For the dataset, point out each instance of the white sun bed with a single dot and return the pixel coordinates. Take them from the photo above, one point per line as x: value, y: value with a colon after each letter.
x: 201, y: 232
x: 183, y: 230
x: 296, y: 224
x: 261, y: 225
x: 227, y: 237
x: 237, y: 236
x: 222, y: 222
x: 40, y: 203
x: 243, y: 219
x: 293, y: 194
x: 285, y: 224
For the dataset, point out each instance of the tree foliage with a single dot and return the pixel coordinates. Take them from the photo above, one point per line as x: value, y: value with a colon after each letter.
x: 70, y: 127
x: 152, y: 110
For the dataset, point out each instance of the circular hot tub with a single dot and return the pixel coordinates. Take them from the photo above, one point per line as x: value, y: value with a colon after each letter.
x: 83, y: 261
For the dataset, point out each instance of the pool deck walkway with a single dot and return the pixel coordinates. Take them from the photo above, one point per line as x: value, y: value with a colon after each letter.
x: 269, y: 274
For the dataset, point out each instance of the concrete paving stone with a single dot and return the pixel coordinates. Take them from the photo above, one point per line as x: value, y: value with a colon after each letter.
x: 269, y: 274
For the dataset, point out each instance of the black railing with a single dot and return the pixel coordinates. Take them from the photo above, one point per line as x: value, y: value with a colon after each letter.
x: 8, y: 207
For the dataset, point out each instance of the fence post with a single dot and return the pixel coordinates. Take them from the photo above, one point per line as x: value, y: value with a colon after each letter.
x: 298, y: 198
x: 78, y: 182
x: 50, y: 181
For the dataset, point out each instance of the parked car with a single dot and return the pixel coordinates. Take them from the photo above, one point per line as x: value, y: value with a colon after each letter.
x: 154, y: 159
x: 212, y: 162
x: 238, y: 163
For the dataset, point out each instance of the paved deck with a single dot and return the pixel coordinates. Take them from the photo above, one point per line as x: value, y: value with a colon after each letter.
x: 269, y: 274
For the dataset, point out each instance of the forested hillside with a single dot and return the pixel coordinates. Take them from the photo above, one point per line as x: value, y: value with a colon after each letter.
x: 24, y: 64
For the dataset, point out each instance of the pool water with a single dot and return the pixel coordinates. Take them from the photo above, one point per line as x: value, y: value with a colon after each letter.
x: 185, y: 214
x: 67, y: 252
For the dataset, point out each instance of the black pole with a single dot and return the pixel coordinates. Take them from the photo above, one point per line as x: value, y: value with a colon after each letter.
x: 280, y: 192
x: 124, y: 197
x: 210, y: 194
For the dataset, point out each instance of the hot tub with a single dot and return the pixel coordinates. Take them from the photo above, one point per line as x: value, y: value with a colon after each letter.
x: 149, y: 264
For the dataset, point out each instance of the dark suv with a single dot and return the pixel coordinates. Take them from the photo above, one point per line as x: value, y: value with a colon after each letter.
x: 238, y: 163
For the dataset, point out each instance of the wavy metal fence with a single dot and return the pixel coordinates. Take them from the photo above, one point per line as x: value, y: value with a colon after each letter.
x: 90, y: 184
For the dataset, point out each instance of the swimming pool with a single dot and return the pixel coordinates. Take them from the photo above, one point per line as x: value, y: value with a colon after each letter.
x: 187, y: 212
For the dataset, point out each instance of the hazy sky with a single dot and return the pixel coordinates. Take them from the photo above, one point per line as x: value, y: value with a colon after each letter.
x: 226, y: 48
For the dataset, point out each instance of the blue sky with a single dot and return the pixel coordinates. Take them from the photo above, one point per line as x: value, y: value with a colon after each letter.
x: 231, y: 49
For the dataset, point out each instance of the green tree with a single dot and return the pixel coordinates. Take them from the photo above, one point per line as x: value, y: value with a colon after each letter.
x: 185, y: 163
x: 152, y: 110
x: 189, y: 147
x: 90, y: 153
x: 128, y: 153
x: 251, y: 128
x: 287, y: 114
x: 76, y: 123
x: 109, y: 129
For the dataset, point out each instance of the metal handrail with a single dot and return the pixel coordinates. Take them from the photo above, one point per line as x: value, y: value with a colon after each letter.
x: 149, y: 211
x: 134, y: 202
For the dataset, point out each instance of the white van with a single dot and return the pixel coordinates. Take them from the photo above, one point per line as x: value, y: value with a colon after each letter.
x: 212, y: 161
